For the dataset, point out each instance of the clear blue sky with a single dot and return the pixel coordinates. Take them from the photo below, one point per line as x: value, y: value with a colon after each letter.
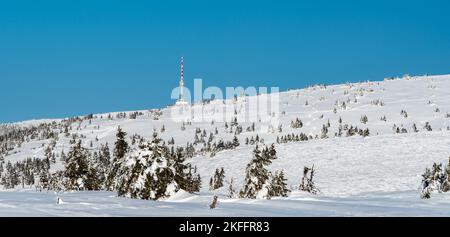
x: 65, y: 58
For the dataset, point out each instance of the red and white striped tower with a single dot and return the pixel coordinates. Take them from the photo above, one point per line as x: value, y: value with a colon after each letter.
x: 182, y: 80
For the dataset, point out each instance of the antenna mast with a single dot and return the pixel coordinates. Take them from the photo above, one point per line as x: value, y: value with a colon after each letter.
x: 182, y: 80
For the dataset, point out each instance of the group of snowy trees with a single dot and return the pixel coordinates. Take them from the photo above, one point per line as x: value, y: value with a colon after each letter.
x: 349, y: 131
x: 297, y: 123
x: 207, y: 144
x: 36, y: 171
x: 293, y: 138
x: 223, y: 145
x: 253, y: 140
x: 12, y: 136
x: 400, y: 129
x: 343, y: 130
x: 436, y: 179
x: 150, y: 171
x: 259, y: 181
x: 83, y: 170
x: 217, y: 180
x: 24, y: 173
x: 143, y: 170
x: 147, y: 173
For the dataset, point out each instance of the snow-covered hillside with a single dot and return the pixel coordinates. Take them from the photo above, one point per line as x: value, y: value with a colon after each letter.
x: 374, y: 173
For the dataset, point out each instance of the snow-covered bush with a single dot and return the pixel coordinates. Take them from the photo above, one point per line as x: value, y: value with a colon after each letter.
x: 278, y: 185
x: 150, y: 172
x: 435, y: 179
x: 307, y: 183
x: 147, y: 173
x: 297, y: 123
x: 364, y: 119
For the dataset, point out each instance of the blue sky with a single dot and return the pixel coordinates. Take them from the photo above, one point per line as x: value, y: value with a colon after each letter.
x: 66, y: 58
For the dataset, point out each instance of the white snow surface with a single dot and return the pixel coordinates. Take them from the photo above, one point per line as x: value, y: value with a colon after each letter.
x: 378, y: 175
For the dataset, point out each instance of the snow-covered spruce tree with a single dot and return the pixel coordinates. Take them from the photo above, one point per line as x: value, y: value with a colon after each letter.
x: 278, y: 186
x: 44, y: 180
x: 48, y: 153
x: 10, y: 178
x: 193, y: 181
x: 46, y: 162
x: 57, y: 181
x: 366, y: 133
x: 427, y: 126
x: 231, y: 189
x: 257, y: 183
x: 211, y: 184
x: 414, y: 127
x: 180, y: 167
x: 427, y: 184
x: 148, y: 173
x: 446, y: 183
x: 270, y: 153
x: 103, y: 163
x: 307, y: 183
x: 77, y: 168
x: 95, y: 179
x: 185, y: 176
x: 98, y: 167
x: 364, y: 119
x: 235, y: 142
x: 216, y: 182
x: 120, y: 149
x: 324, y: 132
